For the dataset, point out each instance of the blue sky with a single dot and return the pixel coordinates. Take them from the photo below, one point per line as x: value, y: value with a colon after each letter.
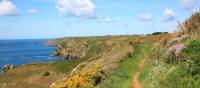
x: 32, y: 19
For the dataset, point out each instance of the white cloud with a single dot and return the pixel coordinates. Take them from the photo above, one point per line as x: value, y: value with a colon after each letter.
x: 107, y: 19
x: 77, y: 8
x: 188, y: 4
x: 32, y: 11
x: 169, y: 15
x: 145, y: 17
x: 7, y: 8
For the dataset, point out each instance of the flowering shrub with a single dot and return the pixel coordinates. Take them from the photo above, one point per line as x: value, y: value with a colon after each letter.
x: 81, y: 79
x: 176, y: 48
x: 174, y: 53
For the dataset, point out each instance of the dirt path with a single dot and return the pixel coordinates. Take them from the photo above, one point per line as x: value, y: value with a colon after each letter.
x: 135, y: 81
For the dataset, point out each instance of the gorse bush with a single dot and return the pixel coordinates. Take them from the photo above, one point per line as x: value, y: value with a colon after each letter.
x: 83, y: 79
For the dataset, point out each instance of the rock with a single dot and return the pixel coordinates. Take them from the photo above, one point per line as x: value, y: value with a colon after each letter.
x: 8, y: 67
x: 57, y: 54
x: 67, y: 57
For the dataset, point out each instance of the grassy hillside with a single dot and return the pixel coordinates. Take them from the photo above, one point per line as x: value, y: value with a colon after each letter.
x: 106, y: 52
x: 176, y: 63
x: 81, y: 54
x: 171, y: 61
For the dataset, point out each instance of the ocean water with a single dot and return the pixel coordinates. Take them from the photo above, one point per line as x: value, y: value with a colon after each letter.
x: 20, y: 52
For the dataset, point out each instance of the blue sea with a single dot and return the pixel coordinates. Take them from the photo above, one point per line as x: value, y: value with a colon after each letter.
x: 20, y: 52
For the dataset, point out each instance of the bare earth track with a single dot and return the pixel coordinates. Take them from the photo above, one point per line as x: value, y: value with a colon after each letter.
x: 135, y: 81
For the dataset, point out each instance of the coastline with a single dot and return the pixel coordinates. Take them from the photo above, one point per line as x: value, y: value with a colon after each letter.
x: 26, y: 51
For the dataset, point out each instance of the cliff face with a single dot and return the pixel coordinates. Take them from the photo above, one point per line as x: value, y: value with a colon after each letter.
x: 69, y: 48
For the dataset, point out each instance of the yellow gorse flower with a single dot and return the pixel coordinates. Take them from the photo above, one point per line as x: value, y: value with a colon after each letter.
x: 81, y: 79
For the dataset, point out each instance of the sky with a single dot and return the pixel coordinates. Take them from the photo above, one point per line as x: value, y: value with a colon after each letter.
x: 35, y: 19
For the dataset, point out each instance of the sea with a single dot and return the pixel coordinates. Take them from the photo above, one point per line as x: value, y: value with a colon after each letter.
x: 25, y: 51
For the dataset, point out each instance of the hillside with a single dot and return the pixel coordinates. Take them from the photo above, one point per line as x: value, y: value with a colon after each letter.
x: 104, y: 52
x: 175, y: 62
x: 82, y: 56
x: 171, y: 60
x: 161, y: 60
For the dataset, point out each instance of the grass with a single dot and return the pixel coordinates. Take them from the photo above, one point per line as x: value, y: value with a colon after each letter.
x: 65, y: 66
x: 30, y: 74
x: 122, y: 76
x: 23, y: 76
x: 147, y: 76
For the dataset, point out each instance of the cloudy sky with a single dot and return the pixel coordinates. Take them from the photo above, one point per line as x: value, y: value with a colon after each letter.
x: 30, y: 19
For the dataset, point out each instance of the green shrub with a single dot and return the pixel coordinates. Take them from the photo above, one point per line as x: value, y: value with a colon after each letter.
x: 45, y: 73
x: 171, y: 58
x: 158, y: 33
x: 193, y: 67
x: 192, y: 50
x: 192, y: 53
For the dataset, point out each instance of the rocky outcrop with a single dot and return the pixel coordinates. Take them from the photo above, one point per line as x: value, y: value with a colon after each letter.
x: 71, y: 49
x: 8, y: 67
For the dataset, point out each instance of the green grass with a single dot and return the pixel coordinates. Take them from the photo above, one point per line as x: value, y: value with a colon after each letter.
x: 122, y: 77
x: 65, y: 66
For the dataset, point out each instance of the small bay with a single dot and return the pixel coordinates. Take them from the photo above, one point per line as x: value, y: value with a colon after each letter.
x: 25, y: 51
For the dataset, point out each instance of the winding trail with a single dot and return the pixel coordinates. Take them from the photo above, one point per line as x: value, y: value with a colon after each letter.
x: 135, y: 81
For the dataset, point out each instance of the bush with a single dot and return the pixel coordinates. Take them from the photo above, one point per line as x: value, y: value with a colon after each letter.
x: 158, y: 33
x: 192, y: 53
x: 45, y: 73
x: 193, y: 67
x: 192, y: 50
x: 171, y: 58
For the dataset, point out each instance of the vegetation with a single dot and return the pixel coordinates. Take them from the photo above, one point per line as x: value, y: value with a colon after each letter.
x: 158, y: 33
x: 65, y: 66
x: 84, y: 78
x: 121, y: 77
x: 45, y: 73
x: 176, y: 75
x: 110, y: 61
x: 175, y: 66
